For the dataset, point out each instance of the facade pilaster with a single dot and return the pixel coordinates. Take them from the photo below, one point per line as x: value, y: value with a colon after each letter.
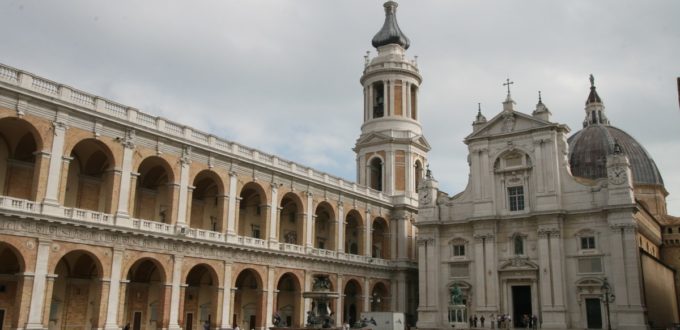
x: 175, y: 293
x: 339, y: 311
x: 390, y: 180
x: 182, y: 207
x: 114, y: 291
x: 57, y: 152
x: 309, y: 222
x: 367, y: 295
x: 231, y: 215
x: 226, y: 298
x: 39, y: 286
x: 126, y: 180
x: 269, y: 311
x: 340, y: 229
x: 368, y: 232
x: 273, y: 216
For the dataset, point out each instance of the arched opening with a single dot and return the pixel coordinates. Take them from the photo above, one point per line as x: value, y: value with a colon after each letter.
x: 354, y: 235
x: 288, y: 301
x: 18, y: 147
x: 252, y: 211
x: 89, y: 183
x: 352, y: 303
x: 418, y: 174
x: 248, y: 300
x: 291, y: 221
x: 11, y: 282
x: 378, y: 99
x: 381, y: 239
x: 144, y: 298
x: 154, y: 191
x: 375, y: 173
x: 76, y: 294
x: 207, y: 202
x: 379, y: 298
x: 324, y: 229
x: 200, y: 298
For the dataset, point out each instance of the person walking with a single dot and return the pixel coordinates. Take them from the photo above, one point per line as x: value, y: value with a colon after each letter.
x: 481, y: 319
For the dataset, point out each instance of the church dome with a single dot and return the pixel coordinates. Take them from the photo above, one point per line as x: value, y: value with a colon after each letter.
x: 390, y: 33
x: 589, y: 147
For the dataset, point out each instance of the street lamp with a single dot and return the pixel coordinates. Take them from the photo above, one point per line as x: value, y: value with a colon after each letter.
x: 608, y: 298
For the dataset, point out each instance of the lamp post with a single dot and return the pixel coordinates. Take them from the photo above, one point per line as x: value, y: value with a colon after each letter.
x: 608, y: 298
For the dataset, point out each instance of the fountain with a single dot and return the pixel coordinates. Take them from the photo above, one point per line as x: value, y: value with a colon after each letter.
x: 320, y: 315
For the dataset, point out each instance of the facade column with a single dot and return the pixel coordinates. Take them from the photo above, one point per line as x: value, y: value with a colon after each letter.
x: 39, y: 286
x: 368, y: 231
x: 121, y: 301
x: 422, y: 273
x: 273, y: 216
x: 175, y: 293
x: 226, y: 298
x: 57, y: 152
x: 367, y: 295
x: 126, y: 179
x: 270, y: 297
x: 224, y: 213
x: 182, y: 206
x: 231, y: 215
x: 114, y: 291
x: 557, y: 266
x: 339, y: 312
x: 309, y: 222
x: 307, y: 286
x: 340, y: 225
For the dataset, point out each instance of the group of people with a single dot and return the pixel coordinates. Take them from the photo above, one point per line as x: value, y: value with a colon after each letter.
x: 503, y: 321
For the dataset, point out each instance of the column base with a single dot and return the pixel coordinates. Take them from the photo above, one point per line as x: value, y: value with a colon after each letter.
x: 174, y: 327
x: 52, y: 207
x: 111, y: 327
x: 35, y: 326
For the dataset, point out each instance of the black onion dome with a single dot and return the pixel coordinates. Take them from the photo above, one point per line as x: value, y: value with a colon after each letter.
x: 390, y: 32
x: 589, y: 147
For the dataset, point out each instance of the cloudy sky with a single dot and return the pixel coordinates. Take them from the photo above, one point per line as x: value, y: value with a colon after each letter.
x: 283, y: 76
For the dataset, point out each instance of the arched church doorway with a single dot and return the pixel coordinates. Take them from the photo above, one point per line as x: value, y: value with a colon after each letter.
x: 11, y: 265
x: 351, y: 302
x: 200, y: 298
x: 288, y: 300
x: 144, y: 295
x: 248, y: 300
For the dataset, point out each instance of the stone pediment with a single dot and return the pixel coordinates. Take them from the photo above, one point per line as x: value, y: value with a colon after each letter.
x: 508, y: 122
x: 518, y: 263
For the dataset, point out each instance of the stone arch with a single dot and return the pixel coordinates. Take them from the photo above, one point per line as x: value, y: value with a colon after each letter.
x: 200, y: 297
x: 291, y: 219
x: 90, y: 176
x: 380, y: 297
x: 288, y: 302
x: 77, y: 290
x: 208, y: 203
x: 18, y: 161
x: 12, y: 266
x: 376, y: 173
x: 354, y: 233
x: 154, y: 191
x: 249, y: 300
x: 144, y: 293
x: 380, y: 239
x: 253, y: 210
x: 323, y: 233
x: 352, y: 302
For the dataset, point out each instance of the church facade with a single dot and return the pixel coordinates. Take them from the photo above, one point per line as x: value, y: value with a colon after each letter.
x: 112, y: 217
x: 569, y: 229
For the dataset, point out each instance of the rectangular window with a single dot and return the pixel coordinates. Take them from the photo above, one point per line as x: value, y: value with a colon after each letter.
x: 458, y: 250
x: 590, y: 265
x: 519, y: 245
x: 587, y: 243
x: 516, y: 198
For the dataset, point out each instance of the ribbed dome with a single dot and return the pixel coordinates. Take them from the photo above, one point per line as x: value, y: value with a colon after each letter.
x: 589, y: 147
x: 390, y: 33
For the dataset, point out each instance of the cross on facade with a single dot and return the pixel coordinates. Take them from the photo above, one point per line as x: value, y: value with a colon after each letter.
x: 508, y: 83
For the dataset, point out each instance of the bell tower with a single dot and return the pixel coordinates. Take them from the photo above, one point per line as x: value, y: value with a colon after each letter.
x: 391, y: 151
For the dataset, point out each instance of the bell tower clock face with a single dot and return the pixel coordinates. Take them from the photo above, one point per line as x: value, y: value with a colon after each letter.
x: 618, y: 175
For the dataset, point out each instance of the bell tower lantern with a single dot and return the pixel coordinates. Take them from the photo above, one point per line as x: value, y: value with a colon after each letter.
x: 391, y: 151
